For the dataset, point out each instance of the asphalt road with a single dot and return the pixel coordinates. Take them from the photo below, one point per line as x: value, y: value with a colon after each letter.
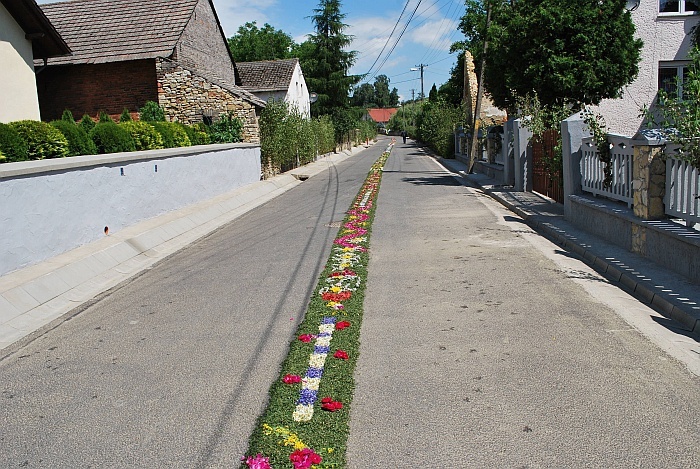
x: 479, y: 350
x: 172, y: 368
x: 483, y: 345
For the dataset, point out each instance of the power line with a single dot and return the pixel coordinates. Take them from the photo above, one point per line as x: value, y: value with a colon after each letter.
x: 397, y: 39
x: 389, y: 38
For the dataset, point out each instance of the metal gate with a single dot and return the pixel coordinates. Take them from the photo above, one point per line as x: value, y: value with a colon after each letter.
x: 543, y: 148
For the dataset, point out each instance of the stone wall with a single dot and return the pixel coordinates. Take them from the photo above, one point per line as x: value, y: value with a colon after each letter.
x: 186, y: 97
x: 649, y: 182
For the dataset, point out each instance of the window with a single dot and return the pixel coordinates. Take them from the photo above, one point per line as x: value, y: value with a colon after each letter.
x: 679, y: 7
x: 670, y: 76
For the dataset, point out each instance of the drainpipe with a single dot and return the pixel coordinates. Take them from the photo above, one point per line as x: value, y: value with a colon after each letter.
x: 41, y: 69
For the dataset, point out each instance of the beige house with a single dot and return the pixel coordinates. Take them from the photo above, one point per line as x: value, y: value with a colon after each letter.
x: 25, y: 34
x: 665, y: 28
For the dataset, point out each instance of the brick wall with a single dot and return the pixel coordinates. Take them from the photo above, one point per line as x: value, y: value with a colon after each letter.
x: 186, y: 96
x: 89, y: 89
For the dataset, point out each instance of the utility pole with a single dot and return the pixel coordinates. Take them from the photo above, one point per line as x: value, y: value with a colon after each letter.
x: 479, y: 94
x: 415, y: 69
x: 413, y: 95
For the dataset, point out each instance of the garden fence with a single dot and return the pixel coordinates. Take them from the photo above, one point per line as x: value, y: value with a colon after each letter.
x: 593, y: 175
x: 682, y: 191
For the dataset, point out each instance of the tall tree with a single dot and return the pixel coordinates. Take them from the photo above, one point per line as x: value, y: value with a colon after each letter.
x: 327, y: 70
x: 363, y: 96
x: 381, y: 91
x: 394, y: 97
x: 433, y: 95
x: 567, y: 55
x: 251, y: 44
x: 452, y: 89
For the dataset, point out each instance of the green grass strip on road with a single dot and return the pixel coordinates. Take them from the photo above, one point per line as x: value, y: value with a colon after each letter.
x: 306, y: 422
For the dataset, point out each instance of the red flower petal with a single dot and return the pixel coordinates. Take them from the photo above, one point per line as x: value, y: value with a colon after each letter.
x: 341, y: 354
x: 291, y: 379
x: 342, y: 325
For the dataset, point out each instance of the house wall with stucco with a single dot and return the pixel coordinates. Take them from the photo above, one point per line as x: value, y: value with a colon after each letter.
x: 18, y: 95
x: 298, y: 93
x: 666, y: 40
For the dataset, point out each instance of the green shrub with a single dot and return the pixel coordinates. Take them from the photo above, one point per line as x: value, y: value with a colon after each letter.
x: 151, y: 112
x: 87, y: 123
x: 79, y: 143
x: 228, y: 129
x: 196, y: 134
x: 43, y: 140
x: 125, y: 116
x: 145, y: 136
x: 111, y: 138
x: 3, y: 158
x: 11, y: 144
x: 173, y: 134
x: 67, y: 116
x: 105, y: 118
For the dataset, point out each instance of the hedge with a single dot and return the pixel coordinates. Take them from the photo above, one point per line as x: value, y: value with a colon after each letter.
x: 43, y: 140
x: 79, y: 143
x: 111, y: 138
x: 12, y: 145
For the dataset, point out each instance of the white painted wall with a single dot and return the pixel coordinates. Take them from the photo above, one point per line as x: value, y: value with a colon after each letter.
x: 52, y: 206
x: 665, y: 39
x: 18, y: 96
x: 297, y: 94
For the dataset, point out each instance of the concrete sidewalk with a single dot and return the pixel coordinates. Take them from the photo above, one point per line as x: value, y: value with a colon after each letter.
x: 32, y: 297
x: 671, y: 294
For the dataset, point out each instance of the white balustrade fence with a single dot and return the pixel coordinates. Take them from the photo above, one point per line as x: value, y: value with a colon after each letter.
x: 682, y: 191
x: 593, y: 176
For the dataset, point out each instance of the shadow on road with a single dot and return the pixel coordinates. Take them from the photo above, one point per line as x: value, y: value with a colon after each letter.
x: 444, y: 180
x: 673, y: 326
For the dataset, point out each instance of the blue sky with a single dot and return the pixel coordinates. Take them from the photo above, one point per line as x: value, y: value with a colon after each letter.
x: 426, y: 41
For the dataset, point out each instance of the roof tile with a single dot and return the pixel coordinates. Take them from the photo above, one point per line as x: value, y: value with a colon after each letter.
x: 267, y: 75
x: 97, y: 31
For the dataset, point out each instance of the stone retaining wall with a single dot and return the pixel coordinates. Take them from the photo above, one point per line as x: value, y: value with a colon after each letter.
x: 187, y: 97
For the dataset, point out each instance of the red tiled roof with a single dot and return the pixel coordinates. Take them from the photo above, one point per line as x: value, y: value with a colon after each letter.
x: 100, y: 31
x: 267, y: 75
x: 382, y: 115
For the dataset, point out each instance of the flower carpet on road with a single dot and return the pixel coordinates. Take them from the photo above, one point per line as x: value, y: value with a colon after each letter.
x: 306, y: 422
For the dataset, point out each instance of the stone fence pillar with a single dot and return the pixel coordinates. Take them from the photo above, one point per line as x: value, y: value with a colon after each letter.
x: 649, y: 182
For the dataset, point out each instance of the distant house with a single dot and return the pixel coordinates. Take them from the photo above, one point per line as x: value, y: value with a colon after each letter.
x: 25, y: 34
x: 281, y: 80
x: 127, y: 52
x: 379, y: 115
x: 664, y: 26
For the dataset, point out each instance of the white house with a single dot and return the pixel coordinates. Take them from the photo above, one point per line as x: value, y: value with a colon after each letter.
x: 25, y: 34
x: 278, y: 80
x: 664, y: 26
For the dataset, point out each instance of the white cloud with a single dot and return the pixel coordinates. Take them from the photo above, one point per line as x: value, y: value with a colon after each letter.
x: 235, y: 13
x: 434, y: 34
